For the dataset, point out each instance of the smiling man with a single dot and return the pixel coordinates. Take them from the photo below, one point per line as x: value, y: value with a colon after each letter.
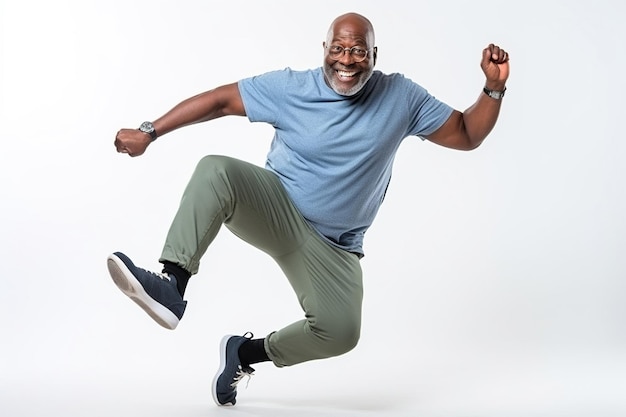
x: 337, y: 130
x: 348, y: 68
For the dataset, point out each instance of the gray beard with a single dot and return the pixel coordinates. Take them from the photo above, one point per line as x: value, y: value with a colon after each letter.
x: 330, y: 78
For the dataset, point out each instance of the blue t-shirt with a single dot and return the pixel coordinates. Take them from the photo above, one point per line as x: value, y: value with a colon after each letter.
x: 334, y: 154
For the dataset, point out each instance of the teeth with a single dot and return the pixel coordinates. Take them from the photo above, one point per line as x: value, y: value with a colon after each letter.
x: 346, y: 73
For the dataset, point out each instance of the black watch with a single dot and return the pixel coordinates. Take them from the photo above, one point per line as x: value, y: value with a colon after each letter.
x: 148, y: 128
x: 494, y: 93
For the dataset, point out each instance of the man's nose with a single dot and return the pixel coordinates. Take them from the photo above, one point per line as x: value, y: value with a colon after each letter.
x: 346, y: 57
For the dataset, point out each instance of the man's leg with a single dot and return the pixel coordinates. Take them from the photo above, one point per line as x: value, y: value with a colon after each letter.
x: 227, y: 191
x: 328, y: 283
x: 221, y: 190
x: 252, y: 203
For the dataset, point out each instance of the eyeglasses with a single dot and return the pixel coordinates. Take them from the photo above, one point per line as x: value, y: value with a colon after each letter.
x: 336, y: 52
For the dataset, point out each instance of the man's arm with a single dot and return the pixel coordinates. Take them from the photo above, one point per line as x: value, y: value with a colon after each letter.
x: 221, y: 101
x: 467, y: 130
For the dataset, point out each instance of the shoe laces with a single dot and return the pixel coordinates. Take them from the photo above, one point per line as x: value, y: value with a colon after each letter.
x: 240, y: 374
x: 161, y: 276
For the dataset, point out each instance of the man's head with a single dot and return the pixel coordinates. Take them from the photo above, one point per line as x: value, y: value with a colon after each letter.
x: 349, y: 54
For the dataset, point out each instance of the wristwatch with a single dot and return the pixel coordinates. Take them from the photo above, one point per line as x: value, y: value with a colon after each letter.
x: 494, y: 93
x: 148, y: 128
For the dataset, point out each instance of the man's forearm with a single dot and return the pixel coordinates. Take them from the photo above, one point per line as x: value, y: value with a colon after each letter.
x: 480, y: 118
x: 222, y: 101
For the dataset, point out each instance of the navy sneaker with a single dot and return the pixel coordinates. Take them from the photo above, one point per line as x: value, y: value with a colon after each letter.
x: 156, y: 293
x: 231, y: 372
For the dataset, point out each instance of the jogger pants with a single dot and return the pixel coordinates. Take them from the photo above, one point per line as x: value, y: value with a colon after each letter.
x: 252, y: 203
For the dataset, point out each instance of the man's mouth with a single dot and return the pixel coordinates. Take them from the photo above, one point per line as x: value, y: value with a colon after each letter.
x: 345, y: 75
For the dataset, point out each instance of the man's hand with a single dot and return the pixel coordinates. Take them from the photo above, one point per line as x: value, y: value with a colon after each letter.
x: 132, y: 141
x: 495, y: 65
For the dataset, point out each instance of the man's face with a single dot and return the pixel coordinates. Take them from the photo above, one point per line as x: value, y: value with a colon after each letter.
x: 344, y: 74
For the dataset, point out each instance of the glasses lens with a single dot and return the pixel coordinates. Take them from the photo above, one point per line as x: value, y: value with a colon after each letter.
x: 358, y: 54
x: 337, y: 52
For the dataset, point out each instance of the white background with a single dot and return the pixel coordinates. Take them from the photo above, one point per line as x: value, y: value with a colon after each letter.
x: 494, y: 280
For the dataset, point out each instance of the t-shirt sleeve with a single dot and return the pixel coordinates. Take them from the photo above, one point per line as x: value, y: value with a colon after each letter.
x: 262, y: 94
x: 427, y: 113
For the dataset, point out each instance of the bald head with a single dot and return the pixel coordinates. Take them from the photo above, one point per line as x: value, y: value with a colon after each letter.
x: 354, y: 22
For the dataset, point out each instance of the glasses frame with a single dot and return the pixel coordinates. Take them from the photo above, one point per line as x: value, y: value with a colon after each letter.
x: 351, y: 52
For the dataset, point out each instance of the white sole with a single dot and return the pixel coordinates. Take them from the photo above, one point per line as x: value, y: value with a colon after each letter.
x: 128, y: 284
x: 220, y: 370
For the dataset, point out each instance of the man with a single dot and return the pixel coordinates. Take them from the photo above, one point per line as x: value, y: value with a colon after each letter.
x: 337, y: 129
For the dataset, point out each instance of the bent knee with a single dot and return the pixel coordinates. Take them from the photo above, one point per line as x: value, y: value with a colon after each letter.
x: 213, y: 163
x: 338, y: 338
x: 214, y: 169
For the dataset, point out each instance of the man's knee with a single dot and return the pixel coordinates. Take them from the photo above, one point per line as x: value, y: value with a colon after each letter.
x: 214, y: 170
x: 212, y: 164
x: 338, y: 335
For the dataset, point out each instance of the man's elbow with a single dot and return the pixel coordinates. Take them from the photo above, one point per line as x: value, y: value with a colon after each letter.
x: 468, y: 143
x: 473, y: 144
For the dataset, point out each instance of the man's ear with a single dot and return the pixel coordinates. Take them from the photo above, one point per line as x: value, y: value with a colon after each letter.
x: 375, y: 51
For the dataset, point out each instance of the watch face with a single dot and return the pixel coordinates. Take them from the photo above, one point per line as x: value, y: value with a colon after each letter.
x: 146, y: 127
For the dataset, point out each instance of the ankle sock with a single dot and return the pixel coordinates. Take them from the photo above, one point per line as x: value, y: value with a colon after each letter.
x: 253, y: 351
x: 181, y: 274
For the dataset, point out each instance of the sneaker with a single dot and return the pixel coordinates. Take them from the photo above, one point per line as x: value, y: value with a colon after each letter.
x: 231, y: 372
x: 156, y: 293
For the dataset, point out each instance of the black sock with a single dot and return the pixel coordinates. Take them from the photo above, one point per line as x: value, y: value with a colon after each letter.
x: 181, y: 274
x: 252, y: 351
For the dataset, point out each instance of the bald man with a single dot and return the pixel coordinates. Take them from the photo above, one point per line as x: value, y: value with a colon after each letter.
x: 337, y: 130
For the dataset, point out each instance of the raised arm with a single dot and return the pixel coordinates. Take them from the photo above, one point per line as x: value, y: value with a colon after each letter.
x: 221, y: 101
x: 467, y: 130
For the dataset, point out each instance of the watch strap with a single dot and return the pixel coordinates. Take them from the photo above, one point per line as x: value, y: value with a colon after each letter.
x: 494, y: 93
x: 148, y: 127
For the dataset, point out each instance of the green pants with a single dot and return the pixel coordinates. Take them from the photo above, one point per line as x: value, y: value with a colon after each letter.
x: 252, y: 203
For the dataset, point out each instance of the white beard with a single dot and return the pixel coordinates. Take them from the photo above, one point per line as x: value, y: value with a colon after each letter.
x: 332, y: 81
